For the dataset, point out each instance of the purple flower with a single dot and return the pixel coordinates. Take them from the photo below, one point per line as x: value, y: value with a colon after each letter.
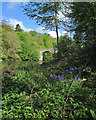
x: 51, y: 75
x: 78, y: 78
x: 72, y: 69
x: 80, y: 68
x: 65, y: 79
x: 75, y: 67
x: 60, y: 78
x: 66, y: 71
x: 55, y: 76
x: 75, y: 79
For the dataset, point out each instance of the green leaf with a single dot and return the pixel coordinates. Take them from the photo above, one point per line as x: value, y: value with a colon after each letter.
x: 93, y: 113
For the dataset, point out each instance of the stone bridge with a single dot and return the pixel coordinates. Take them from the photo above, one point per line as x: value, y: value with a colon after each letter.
x: 42, y: 51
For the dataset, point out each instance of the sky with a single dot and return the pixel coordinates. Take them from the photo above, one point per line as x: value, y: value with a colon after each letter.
x: 13, y: 13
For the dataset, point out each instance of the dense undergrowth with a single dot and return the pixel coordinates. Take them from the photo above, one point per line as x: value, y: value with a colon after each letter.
x: 37, y: 91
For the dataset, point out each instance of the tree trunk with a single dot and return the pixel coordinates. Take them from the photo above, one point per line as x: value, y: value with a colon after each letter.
x: 56, y: 23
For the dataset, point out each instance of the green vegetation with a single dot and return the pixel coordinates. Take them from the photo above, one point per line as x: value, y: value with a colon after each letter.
x: 45, y: 14
x: 47, y: 56
x: 19, y: 45
x: 48, y: 92
x: 64, y: 85
x: 85, y: 29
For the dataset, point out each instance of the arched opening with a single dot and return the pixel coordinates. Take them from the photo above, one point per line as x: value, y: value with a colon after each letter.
x: 47, y: 56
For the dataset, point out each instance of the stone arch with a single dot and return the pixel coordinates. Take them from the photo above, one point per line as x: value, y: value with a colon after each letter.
x: 43, y: 54
x: 43, y: 51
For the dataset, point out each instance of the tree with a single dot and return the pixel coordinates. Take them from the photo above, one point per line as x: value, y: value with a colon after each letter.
x: 29, y: 47
x: 10, y: 45
x: 33, y: 33
x: 45, y: 14
x: 5, y: 25
x: 83, y: 18
x: 18, y: 28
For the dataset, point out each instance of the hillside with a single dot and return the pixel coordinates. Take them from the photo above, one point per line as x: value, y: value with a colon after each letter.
x: 20, y: 45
